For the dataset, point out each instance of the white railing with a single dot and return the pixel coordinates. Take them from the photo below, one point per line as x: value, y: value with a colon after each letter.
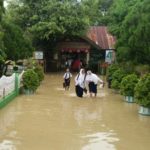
x: 7, y: 85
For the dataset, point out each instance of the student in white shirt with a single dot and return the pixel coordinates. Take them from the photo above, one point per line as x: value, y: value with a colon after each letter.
x: 67, y: 78
x: 92, y: 81
x: 80, y: 82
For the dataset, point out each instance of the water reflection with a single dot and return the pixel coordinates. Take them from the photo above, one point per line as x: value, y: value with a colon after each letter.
x: 7, y: 145
x: 7, y: 119
x: 84, y: 114
x: 63, y: 121
x: 101, y: 140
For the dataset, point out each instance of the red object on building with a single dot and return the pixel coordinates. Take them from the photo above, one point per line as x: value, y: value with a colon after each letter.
x: 78, y: 50
x: 76, y: 65
x: 100, y: 36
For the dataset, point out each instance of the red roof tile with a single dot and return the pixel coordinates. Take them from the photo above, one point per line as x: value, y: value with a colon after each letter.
x: 101, y: 37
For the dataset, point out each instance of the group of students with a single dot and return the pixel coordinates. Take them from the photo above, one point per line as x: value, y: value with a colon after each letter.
x: 83, y: 80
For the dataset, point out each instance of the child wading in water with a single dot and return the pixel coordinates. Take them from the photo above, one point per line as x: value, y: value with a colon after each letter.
x: 92, y: 81
x: 80, y: 83
x: 67, y: 77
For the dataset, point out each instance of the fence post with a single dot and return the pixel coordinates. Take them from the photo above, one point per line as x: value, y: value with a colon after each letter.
x: 16, y: 84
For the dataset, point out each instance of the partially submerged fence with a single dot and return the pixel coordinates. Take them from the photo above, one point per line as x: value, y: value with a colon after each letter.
x: 9, y: 88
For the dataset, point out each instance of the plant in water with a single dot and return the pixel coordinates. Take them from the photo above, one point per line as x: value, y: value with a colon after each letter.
x: 142, y: 91
x: 30, y: 80
x: 111, y: 69
x: 128, y: 84
x: 39, y: 70
x: 117, y: 78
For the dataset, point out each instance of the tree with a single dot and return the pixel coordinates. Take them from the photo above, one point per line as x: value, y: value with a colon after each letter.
x: 134, y: 35
x: 1, y: 9
x: 1, y: 29
x: 17, y: 46
x: 117, y: 13
x: 48, y: 21
x: 129, y: 22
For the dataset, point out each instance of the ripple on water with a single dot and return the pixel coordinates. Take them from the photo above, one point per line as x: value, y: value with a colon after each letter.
x: 101, y: 140
x: 7, y: 145
x: 99, y: 95
x: 59, y: 89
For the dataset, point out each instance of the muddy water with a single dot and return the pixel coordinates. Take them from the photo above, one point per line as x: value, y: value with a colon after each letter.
x: 54, y: 119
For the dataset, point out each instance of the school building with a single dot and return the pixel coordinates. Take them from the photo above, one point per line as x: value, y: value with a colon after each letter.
x: 98, y: 41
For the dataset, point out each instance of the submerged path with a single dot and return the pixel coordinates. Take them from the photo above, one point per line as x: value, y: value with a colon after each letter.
x: 54, y: 119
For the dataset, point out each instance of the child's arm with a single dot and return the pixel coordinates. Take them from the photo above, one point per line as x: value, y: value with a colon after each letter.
x: 64, y: 76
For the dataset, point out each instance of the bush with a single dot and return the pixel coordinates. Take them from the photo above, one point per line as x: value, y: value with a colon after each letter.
x: 117, y: 78
x: 128, y: 67
x: 30, y: 80
x: 39, y: 70
x: 142, y: 91
x: 30, y: 63
x: 111, y: 69
x: 128, y: 84
x: 142, y: 69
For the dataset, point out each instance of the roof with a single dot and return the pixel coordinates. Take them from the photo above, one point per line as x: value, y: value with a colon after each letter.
x: 101, y: 37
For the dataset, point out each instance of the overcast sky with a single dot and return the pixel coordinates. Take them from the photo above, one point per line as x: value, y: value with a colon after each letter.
x: 5, y: 3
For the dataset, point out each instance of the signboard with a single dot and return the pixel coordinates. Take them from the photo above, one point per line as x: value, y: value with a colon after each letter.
x: 38, y: 54
x: 109, y: 56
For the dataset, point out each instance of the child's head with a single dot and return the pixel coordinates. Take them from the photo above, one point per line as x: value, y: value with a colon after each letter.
x: 67, y: 70
x: 82, y: 71
x: 89, y: 72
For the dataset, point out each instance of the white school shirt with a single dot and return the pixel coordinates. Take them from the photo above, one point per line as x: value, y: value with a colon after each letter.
x: 67, y: 75
x: 79, y: 80
x: 93, y: 78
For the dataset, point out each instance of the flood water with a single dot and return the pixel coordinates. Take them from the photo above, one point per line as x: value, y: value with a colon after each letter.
x: 54, y: 119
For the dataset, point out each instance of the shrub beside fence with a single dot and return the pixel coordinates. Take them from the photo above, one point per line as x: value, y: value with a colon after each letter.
x: 9, y: 88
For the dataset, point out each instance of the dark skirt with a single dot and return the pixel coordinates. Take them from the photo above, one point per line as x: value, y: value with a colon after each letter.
x: 79, y: 91
x: 92, y: 87
x: 67, y: 82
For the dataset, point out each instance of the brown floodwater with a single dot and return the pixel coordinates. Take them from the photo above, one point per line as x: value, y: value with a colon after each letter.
x: 54, y: 119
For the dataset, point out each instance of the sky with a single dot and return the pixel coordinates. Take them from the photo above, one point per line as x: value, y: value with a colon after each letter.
x: 5, y: 3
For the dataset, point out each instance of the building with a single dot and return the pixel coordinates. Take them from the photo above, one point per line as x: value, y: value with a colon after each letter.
x: 81, y: 48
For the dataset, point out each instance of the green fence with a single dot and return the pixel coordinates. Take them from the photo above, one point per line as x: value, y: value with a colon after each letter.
x: 5, y: 99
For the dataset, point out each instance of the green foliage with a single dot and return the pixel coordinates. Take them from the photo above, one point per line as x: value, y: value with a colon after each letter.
x: 111, y: 69
x: 142, y: 69
x: 39, y: 70
x: 101, y: 16
x: 2, y: 61
x: 2, y: 56
x: 30, y: 80
x: 16, y: 45
x: 95, y: 57
x: 30, y: 63
x: 33, y: 64
x: 117, y: 78
x: 1, y: 37
x: 118, y: 12
x: 142, y: 91
x: 128, y: 84
x: 128, y: 67
x: 1, y: 29
x: 123, y: 54
x: 130, y: 23
x: 1, y: 9
x: 50, y: 19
